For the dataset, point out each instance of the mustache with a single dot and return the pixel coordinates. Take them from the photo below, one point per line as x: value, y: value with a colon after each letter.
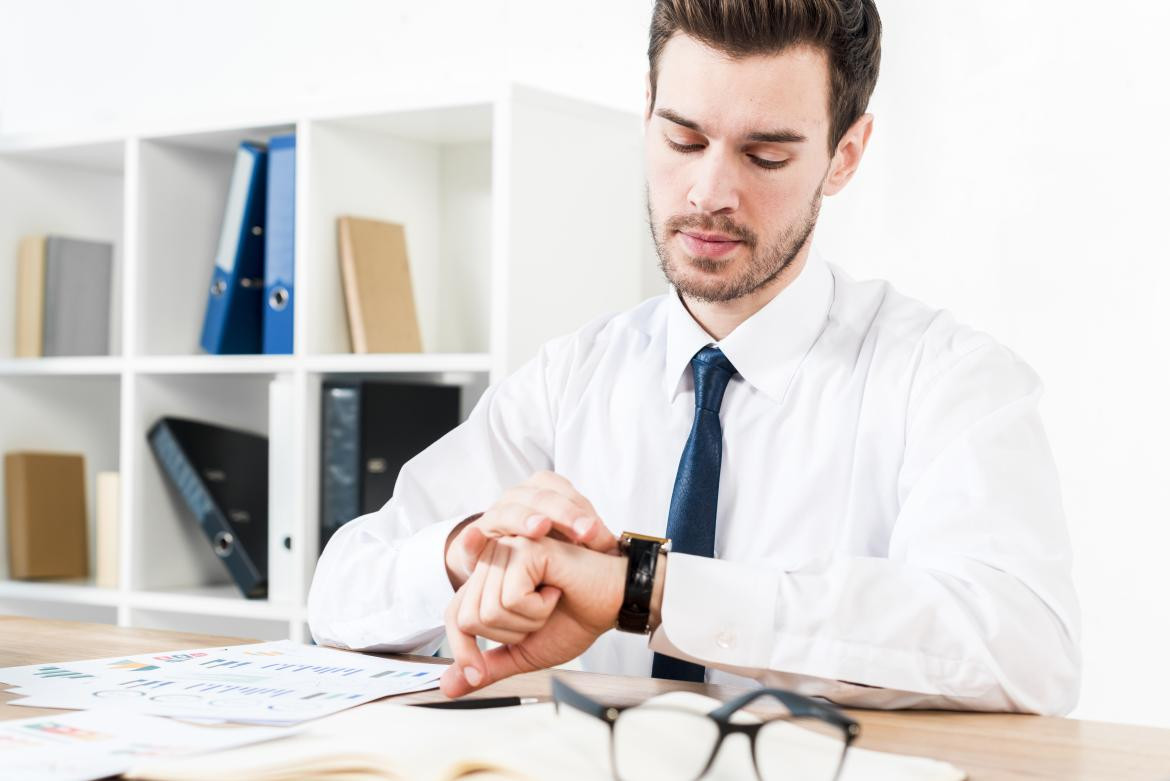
x: 706, y: 223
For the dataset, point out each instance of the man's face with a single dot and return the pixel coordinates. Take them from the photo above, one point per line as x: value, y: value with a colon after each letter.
x: 735, y: 150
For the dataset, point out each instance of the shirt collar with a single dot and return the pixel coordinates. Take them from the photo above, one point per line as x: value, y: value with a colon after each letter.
x: 769, y: 346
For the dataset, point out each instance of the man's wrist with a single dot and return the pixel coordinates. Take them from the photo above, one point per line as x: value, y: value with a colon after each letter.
x: 593, y: 583
x: 617, y: 586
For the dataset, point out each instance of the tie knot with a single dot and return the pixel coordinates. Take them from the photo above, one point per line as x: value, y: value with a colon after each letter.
x: 712, y: 372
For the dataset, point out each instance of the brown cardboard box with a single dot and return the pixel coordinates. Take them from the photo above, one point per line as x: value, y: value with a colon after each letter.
x: 45, y: 515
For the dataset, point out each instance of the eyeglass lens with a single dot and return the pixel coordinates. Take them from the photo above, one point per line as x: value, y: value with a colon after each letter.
x: 799, y: 748
x: 651, y: 743
x: 666, y: 744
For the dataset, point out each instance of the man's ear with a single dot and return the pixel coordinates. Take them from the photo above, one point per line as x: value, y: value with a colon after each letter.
x: 848, y: 156
x: 649, y: 104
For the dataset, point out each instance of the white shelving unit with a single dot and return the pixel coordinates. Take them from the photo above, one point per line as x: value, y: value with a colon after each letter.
x: 524, y: 218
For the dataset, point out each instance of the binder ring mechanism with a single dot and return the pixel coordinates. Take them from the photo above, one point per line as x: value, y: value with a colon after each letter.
x: 223, y: 543
x: 278, y: 299
x: 219, y: 286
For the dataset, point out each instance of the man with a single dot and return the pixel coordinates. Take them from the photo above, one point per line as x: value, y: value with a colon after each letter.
x: 861, y: 501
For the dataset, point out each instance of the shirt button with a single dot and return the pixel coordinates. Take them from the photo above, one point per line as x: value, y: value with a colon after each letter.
x: 725, y: 639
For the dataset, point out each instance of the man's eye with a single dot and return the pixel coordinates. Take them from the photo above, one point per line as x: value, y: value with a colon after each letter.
x: 762, y: 163
x: 684, y: 148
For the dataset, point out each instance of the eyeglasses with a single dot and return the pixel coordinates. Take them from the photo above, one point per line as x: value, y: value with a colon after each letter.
x: 651, y: 741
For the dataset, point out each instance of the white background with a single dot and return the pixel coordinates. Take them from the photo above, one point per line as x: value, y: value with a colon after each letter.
x: 1017, y: 176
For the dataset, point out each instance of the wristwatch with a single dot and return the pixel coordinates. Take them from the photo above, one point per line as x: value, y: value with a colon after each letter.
x: 641, y: 551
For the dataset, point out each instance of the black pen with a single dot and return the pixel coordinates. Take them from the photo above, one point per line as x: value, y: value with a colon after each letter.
x: 480, y: 702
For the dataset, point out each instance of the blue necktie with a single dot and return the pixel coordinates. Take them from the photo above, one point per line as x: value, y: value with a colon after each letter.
x: 691, y: 523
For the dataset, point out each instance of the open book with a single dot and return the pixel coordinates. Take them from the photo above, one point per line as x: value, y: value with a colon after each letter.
x: 385, y: 741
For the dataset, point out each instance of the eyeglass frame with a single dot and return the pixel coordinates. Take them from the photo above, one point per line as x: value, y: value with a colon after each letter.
x: 798, y: 707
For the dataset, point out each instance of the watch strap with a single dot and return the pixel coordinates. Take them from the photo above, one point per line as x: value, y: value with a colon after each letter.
x: 641, y: 552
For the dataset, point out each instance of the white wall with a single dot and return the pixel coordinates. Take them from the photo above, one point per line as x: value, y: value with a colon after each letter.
x: 1017, y: 176
x: 65, y: 62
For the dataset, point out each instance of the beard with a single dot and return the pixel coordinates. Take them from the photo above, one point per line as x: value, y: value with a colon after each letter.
x: 763, y: 264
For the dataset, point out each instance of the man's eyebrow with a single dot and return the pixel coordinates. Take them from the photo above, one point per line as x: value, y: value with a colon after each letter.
x: 677, y: 119
x: 784, y: 136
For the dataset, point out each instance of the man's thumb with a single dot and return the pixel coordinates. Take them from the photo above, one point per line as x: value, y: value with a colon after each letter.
x: 472, y: 541
x: 548, y: 597
x: 504, y: 662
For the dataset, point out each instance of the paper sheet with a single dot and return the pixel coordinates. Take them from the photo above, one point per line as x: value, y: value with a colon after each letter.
x: 105, y: 742
x: 275, y: 683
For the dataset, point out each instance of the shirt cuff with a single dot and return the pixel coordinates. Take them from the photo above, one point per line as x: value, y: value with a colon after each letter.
x: 422, y: 570
x: 716, y: 612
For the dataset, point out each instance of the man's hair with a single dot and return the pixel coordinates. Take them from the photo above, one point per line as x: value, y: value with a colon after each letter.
x: 849, y: 32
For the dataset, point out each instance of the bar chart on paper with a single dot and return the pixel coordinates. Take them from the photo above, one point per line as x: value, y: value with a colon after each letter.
x: 277, y: 683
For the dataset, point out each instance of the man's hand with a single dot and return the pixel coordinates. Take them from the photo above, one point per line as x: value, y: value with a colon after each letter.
x: 547, y: 600
x: 544, y: 504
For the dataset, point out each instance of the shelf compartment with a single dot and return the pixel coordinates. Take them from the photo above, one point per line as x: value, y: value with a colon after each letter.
x: 168, y: 549
x: 69, y: 415
x: 429, y: 170
x: 183, y: 183
x: 75, y: 191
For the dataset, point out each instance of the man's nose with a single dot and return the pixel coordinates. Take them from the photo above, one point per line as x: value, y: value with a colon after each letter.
x: 715, y: 188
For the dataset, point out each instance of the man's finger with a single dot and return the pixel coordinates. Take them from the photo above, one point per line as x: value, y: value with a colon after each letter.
x: 549, y: 596
x: 519, y: 519
x: 597, y: 537
x: 586, y: 527
x: 562, y: 510
x: 471, y: 542
x: 518, y: 587
x: 470, y: 616
x: 493, y: 612
x: 494, y: 621
x: 540, y: 512
x: 467, y: 616
x: 467, y: 670
x: 561, y: 484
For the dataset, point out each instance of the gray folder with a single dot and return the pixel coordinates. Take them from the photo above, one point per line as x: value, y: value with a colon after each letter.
x: 77, y: 296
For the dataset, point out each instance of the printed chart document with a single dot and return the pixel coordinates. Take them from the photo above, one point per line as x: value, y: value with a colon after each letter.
x: 277, y: 683
x: 106, y: 742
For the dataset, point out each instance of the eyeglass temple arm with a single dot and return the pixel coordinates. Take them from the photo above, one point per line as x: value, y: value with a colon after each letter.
x: 563, y: 693
x: 798, y: 705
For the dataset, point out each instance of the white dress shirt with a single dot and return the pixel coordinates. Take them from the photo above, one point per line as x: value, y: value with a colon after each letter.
x: 889, y: 530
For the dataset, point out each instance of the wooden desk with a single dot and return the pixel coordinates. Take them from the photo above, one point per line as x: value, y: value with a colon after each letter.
x: 990, y: 747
